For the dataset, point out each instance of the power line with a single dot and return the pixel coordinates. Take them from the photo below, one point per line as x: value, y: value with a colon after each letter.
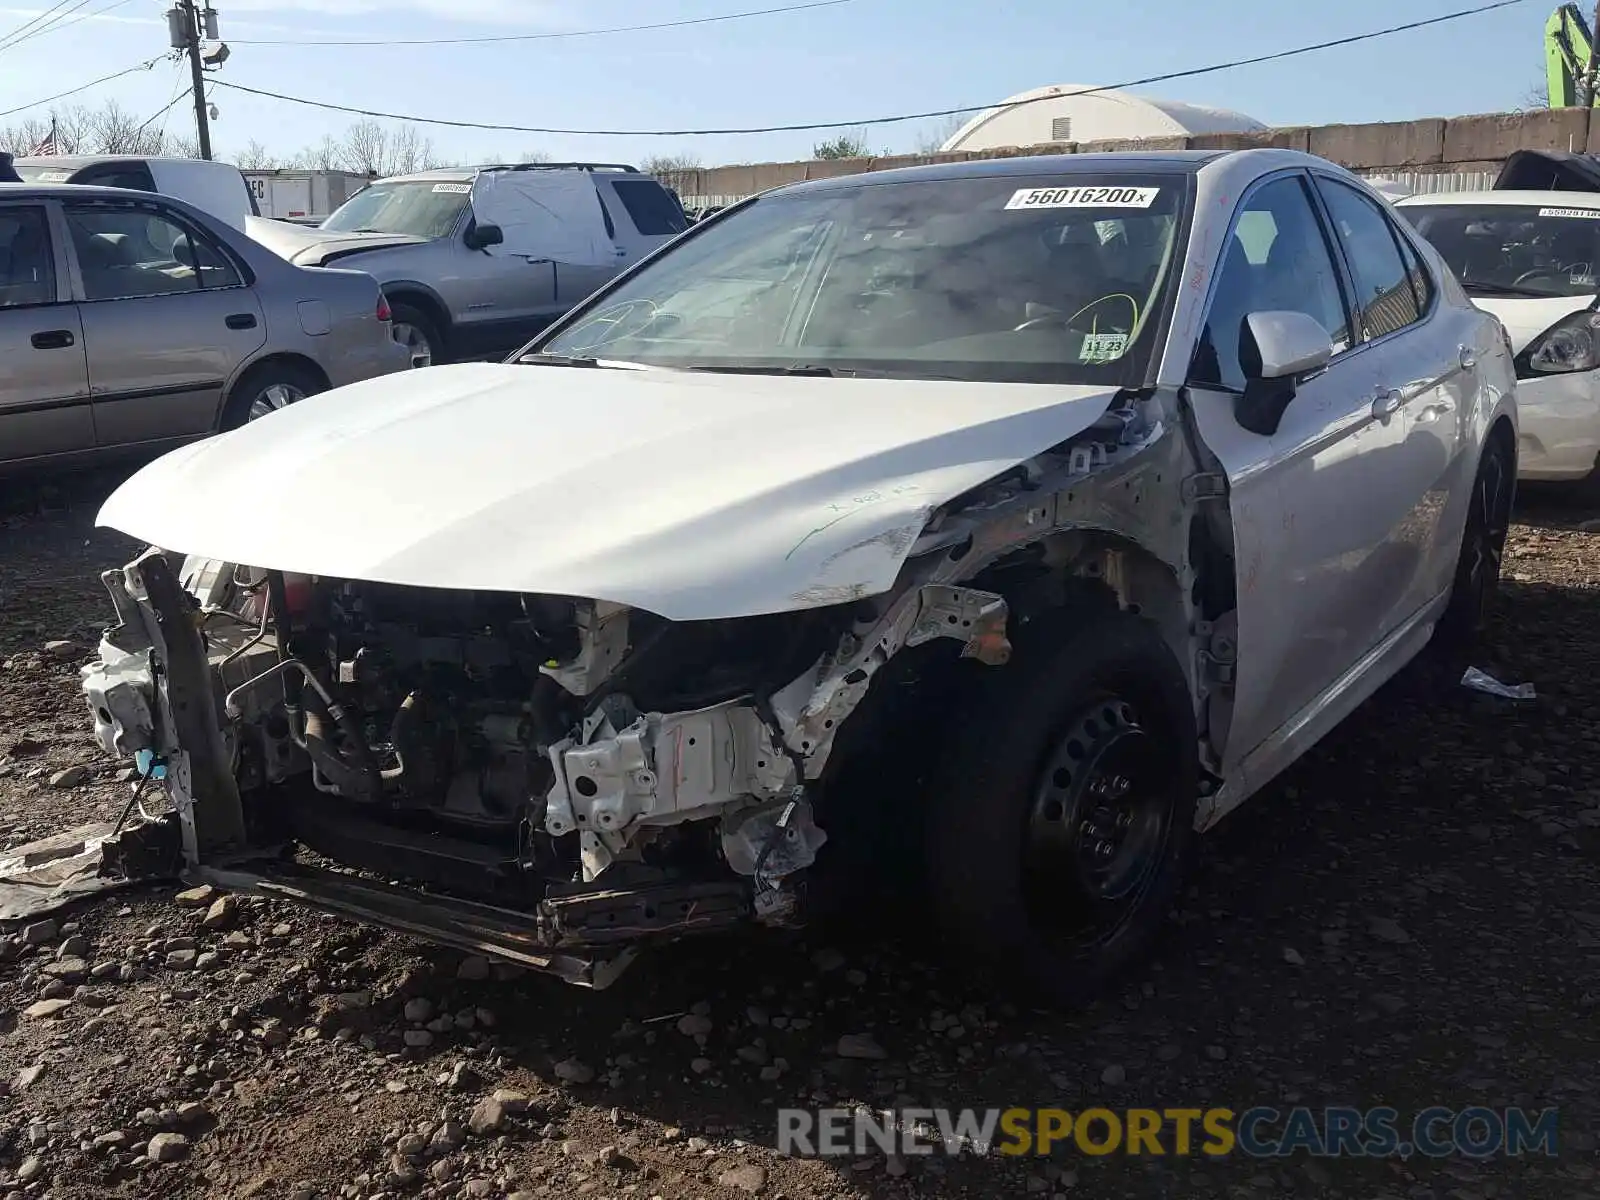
x: 58, y: 27
x: 177, y: 94
x: 83, y: 87
x: 54, y: 26
x: 541, y: 37
x: 859, y: 123
x: 34, y: 20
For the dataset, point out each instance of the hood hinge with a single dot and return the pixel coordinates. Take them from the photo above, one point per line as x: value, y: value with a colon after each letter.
x: 1204, y: 486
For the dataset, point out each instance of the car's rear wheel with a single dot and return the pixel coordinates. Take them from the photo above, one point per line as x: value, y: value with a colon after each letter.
x: 266, y: 389
x: 1483, y: 545
x: 1064, y: 808
x: 416, y: 331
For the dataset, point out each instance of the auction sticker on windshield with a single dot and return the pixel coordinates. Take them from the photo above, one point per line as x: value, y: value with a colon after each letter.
x: 1084, y: 197
x: 1588, y: 214
x: 460, y: 188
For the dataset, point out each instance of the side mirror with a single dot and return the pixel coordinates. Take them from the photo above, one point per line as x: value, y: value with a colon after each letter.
x: 1279, y: 351
x: 481, y: 237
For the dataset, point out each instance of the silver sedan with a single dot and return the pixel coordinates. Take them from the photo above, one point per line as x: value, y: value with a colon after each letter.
x: 130, y: 320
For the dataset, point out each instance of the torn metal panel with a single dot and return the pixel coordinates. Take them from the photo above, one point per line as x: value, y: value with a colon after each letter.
x: 41, y: 877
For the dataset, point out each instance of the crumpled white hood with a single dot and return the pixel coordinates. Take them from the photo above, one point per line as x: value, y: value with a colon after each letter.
x: 689, y: 495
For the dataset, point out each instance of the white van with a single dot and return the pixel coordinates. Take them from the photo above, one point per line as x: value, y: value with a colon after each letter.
x: 213, y: 187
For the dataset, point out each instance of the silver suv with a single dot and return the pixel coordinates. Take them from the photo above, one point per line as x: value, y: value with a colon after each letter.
x: 476, y: 260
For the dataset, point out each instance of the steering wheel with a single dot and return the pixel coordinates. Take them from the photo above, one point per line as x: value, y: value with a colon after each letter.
x: 1539, y: 273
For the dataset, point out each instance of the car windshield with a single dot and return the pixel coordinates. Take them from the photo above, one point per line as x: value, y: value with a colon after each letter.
x: 1515, y: 250
x: 422, y: 208
x: 1049, y: 279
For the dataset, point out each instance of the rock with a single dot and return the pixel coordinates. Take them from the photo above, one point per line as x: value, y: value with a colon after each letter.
x: 28, y: 1076
x: 1115, y: 1075
x: 895, y: 1166
x: 488, y: 1115
x: 417, y: 1039
x: 751, y: 1177
x: 274, y: 1035
x: 418, y: 1010
x: 45, y: 1009
x: 827, y: 959
x: 694, y: 1025
x: 39, y: 933
x: 614, y: 1159
x: 1293, y: 957
x: 76, y: 946
x: 572, y: 1070
x: 700, y: 1066
x: 30, y: 1170
x: 114, y: 1140
x: 511, y: 1101
x: 191, y: 1112
x: 167, y: 1147
x: 71, y: 777
x: 411, y: 1145
x: 860, y: 1045
x: 61, y: 650
x: 196, y: 897
x: 1387, y: 930
x: 182, y: 960
x: 1386, y: 1003
x: 697, y: 1145
x: 475, y: 968
x: 70, y: 969
x: 443, y: 1171
x: 221, y: 913
x: 449, y: 1136
x: 1216, y: 1053
x: 757, y: 1017
x: 464, y: 1077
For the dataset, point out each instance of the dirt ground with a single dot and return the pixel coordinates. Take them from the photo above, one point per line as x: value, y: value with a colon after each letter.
x: 1410, y: 917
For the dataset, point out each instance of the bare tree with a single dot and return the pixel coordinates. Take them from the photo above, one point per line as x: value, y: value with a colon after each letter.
x: 368, y: 148
x: 109, y: 129
x: 674, y: 170
x: 256, y: 157
x: 932, y: 139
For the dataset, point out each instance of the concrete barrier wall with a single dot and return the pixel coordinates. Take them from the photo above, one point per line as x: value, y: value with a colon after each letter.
x: 1435, y: 144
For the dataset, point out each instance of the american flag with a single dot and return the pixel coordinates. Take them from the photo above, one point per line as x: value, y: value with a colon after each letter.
x: 48, y: 145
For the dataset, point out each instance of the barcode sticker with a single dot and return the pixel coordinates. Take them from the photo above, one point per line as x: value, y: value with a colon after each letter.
x: 459, y: 188
x: 1084, y: 197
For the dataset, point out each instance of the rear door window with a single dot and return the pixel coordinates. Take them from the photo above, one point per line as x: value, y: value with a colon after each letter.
x: 27, y: 267
x: 133, y: 176
x: 650, y: 206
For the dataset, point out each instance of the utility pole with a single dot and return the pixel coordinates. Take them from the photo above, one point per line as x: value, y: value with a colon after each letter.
x: 187, y: 24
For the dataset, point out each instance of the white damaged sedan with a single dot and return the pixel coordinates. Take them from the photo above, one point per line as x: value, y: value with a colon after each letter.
x: 1532, y: 258
x: 1014, y: 518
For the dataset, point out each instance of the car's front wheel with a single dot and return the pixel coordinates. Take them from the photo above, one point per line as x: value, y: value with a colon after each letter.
x: 1064, y: 807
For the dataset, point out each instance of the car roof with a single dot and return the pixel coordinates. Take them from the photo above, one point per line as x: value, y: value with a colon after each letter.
x: 1158, y: 162
x: 1523, y: 199
x: 467, y: 174
x: 77, y: 191
x: 73, y: 161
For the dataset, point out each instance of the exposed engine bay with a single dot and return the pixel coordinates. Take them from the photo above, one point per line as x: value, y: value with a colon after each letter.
x: 567, y: 777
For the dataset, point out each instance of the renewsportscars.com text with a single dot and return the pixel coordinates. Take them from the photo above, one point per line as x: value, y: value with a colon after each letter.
x: 1259, y: 1132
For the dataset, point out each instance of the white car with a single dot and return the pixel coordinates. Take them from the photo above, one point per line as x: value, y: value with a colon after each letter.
x: 1025, y: 514
x: 1532, y: 258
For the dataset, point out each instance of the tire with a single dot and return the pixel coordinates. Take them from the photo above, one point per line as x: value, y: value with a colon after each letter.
x: 418, y: 331
x: 1092, y: 710
x: 265, y: 389
x: 1483, y: 543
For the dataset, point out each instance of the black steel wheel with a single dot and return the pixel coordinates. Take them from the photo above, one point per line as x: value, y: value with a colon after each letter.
x: 1483, y: 546
x: 1064, y: 807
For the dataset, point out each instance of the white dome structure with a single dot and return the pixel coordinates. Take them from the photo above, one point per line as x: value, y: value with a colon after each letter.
x: 1068, y: 112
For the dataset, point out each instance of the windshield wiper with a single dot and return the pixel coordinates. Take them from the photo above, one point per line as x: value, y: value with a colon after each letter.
x: 540, y: 359
x: 1506, y: 289
x: 797, y: 369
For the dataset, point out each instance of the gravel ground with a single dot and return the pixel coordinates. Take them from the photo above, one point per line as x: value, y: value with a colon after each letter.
x: 1408, y: 918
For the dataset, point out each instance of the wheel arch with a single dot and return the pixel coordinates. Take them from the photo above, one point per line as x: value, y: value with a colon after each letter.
x: 420, y: 296
x: 260, y: 366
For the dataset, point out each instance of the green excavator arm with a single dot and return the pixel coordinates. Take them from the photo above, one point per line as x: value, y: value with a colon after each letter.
x: 1568, y: 46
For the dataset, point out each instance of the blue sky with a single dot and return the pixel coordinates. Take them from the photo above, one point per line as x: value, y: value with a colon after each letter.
x: 859, y: 59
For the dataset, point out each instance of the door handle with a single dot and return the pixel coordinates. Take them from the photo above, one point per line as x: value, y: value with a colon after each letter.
x: 1468, y: 359
x: 241, y: 321
x: 1386, y: 404
x: 52, y: 339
